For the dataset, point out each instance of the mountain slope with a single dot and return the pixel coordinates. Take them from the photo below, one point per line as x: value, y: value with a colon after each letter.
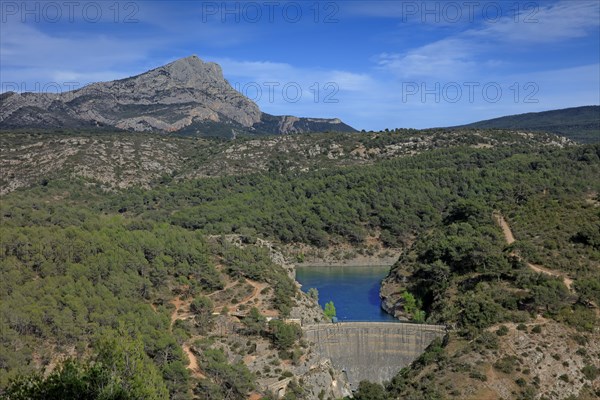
x: 188, y: 96
x: 581, y: 124
x: 122, y: 159
x: 79, y: 259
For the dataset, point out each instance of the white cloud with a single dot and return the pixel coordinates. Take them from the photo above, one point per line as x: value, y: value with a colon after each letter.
x: 469, y: 53
x: 263, y: 71
x: 446, y: 58
x: 323, y: 92
x: 351, y: 82
x: 534, y: 91
x: 548, y: 24
x: 29, y: 55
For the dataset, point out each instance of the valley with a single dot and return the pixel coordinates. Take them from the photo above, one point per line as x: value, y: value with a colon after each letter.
x: 163, y: 237
x: 200, y: 267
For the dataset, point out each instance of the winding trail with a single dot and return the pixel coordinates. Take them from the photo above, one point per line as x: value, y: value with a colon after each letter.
x: 508, y: 235
x: 256, y: 289
x: 182, y: 312
x: 193, y: 365
x: 177, y: 302
x: 177, y: 315
x: 510, y: 239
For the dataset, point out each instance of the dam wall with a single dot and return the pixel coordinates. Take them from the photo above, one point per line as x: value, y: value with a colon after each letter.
x: 374, y: 351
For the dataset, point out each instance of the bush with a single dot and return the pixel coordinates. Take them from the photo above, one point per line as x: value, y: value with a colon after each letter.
x: 433, y: 353
x: 226, y: 380
x: 580, y: 340
x: 590, y: 372
x: 580, y: 317
x: 412, y: 307
x: 502, y: 331
x: 254, y: 322
x: 581, y: 352
x: 284, y: 335
x: 202, y: 308
x: 370, y: 391
x: 478, y: 375
x: 487, y: 340
x: 329, y: 310
x: 506, y: 364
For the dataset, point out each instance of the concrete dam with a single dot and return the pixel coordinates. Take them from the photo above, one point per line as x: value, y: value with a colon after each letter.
x: 374, y: 351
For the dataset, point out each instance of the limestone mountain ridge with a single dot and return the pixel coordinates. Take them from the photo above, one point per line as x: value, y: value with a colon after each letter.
x: 188, y: 96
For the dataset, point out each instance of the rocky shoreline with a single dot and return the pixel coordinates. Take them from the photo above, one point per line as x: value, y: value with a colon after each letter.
x: 385, y: 258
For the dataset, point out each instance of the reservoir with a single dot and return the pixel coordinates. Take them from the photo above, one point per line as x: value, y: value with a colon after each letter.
x: 353, y: 290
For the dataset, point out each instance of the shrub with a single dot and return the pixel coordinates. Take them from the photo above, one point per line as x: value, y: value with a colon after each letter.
x: 478, y: 375
x: 370, y: 391
x: 506, y: 364
x: 284, y: 335
x: 581, y: 318
x: 521, y: 382
x: 502, y: 331
x: 590, y: 372
x: 580, y: 340
x: 487, y: 340
x: 330, y: 310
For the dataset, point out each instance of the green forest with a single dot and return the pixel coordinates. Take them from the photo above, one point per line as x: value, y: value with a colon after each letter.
x: 90, y: 273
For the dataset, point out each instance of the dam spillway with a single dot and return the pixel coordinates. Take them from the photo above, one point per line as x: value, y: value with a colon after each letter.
x: 373, y: 351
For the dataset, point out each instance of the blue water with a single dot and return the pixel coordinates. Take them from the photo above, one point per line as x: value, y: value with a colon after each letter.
x: 353, y: 290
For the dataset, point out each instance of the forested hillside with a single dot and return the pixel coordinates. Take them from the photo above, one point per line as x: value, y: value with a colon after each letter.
x: 71, y: 277
x: 581, y: 124
x: 82, y: 260
x: 117, y: 160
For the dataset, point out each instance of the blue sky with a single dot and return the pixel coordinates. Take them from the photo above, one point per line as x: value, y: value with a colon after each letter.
x: 374, y: 64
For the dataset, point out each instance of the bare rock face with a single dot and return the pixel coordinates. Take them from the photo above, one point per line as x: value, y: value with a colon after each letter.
x: 287, y: 125
x: 186, y: 95
x: 390, y: 292
x: 167, y: 98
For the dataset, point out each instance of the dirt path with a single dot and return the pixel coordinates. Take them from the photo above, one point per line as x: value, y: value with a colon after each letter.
x: 178, y: 315
x: 510, y: 239
x: 538, y: 268
x: 181, y: 312
x: 193, y: 365
x: 508, y: 235
x: 178, y: 303
x: 257, y: 288
x: 227, y: 286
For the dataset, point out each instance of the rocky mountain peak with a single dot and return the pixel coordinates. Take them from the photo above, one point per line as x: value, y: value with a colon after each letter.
x: 189, y: 71
x: 187, y: 95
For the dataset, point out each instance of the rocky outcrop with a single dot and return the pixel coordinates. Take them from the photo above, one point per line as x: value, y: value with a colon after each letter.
x: 187, y: 95
x: 391, y: 290
x: 287, y: 124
